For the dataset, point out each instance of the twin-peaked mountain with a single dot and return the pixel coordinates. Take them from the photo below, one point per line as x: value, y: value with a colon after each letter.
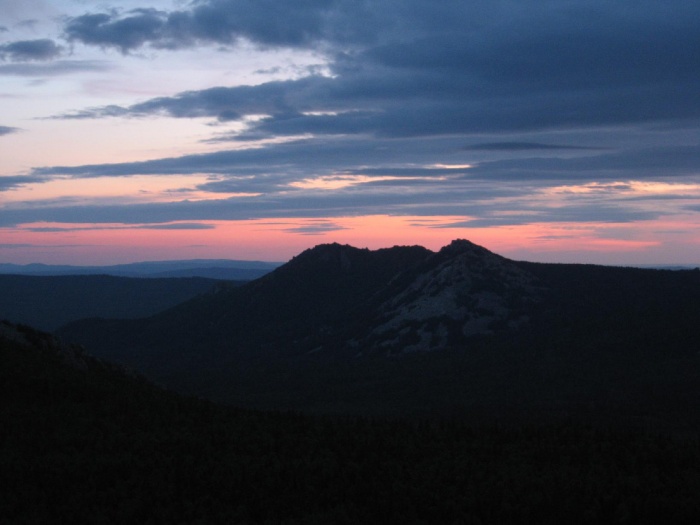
x: 336, y: 299
x: 406, y: 326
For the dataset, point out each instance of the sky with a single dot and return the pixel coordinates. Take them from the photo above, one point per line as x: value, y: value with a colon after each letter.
x: 543, y: 130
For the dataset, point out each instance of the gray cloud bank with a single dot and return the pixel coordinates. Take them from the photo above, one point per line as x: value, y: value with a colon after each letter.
x: 413, y: 67
x: 528, y: 93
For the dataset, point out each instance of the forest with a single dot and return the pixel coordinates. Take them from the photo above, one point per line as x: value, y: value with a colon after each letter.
x: 82, y: 441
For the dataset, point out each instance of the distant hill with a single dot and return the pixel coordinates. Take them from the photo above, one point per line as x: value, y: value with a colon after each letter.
x: 47, y: 302
x: 208, y: 268
x: 407, y: 330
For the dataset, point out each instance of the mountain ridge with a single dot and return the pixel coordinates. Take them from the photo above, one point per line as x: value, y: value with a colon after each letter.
x: 228, y: 269
x: 406, y: 329
x: 327, y: 295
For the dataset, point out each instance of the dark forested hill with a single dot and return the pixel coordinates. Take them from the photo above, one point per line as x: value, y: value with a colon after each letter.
x: 48, y: 302
x: 82, y: 442
x: 407, y: 330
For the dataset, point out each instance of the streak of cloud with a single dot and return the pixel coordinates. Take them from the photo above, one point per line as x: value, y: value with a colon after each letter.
x: 30, y: 50
x: 6, y: 130
x: 53, y: 69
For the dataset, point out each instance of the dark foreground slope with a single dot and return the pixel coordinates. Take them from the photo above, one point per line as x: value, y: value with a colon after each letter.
x: 81, y: 442
x: 408, y: 331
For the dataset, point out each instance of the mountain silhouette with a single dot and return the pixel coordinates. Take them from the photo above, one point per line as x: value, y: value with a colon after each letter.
x: 406, y: 329
x: 335, y: 299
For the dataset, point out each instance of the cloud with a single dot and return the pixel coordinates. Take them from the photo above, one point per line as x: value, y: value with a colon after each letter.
x: 168, y: 226
x: 23, y: 247
x: 590, y: 213
x: 265, y: 22
x: 290, y: 161
x: 313, y: 203
x: 422, y: 108
x: 523, y: 146
x: 389, y: 161
x: 10, y: 182
x: 316, y: 228
x: 481, y: 204
x: 52, y: 69
x: 638, y: 163
x: 179, y: 226
x: 16, y: 246
x: 29, y: 23
x: 414, y: 68
x: 221, y: 103
x: 30, y: 50
x: 6, y: 130
x: 112, y: 30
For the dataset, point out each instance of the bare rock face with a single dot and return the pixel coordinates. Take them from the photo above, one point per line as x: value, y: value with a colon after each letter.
x: 465, y: 291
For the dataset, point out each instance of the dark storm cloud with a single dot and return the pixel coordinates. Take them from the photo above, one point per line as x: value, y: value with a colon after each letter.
x: 30, y: 50
x: 416, y: 68
x: 266, y: 22
x: 112, y: 30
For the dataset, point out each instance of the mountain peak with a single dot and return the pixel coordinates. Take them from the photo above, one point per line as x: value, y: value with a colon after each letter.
x: 334, y: 255
x: 460, y: 246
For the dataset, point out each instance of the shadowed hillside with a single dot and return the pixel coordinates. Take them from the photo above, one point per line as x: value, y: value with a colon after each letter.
x: 48, y: 302
x: 82, y: 442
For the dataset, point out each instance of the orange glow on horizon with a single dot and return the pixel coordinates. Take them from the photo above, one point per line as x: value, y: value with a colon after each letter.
x: 281, y: 239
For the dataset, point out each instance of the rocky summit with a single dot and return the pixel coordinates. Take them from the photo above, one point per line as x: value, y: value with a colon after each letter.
x: 462, y: 291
